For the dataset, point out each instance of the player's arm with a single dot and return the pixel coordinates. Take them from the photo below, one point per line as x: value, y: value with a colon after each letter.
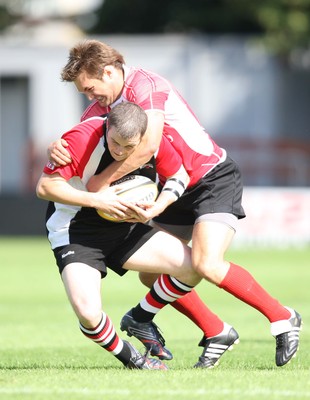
x: 55, y: 188
x: 173, y: 189
x: 171, y: 170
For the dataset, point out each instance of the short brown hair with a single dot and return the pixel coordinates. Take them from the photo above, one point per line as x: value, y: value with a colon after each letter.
x: 90, y: 56
x: 128, y: 119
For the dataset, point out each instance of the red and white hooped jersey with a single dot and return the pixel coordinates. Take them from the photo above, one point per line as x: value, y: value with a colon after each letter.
x: 199, y: 153
x: 86, y: 145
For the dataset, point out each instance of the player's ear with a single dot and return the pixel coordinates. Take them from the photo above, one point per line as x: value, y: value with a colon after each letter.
x: 108, y: 71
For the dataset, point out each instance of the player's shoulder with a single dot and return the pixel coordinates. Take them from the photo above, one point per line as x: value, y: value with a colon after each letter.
x: 137, y: 74
x: 95, y: 120
x: 93, y: 110
x: 87, y: 128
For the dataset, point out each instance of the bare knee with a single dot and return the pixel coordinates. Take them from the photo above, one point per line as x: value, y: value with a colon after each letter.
x: 213, y: 271
x: 147, y: 279
x: 88, y: 314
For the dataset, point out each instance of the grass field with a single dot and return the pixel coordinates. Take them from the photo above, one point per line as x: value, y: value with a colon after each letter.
x: 44, y: 356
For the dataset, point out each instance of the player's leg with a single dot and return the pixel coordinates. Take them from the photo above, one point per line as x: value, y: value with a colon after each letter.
x: 193, y: 308
x: 218, y: 336
x: 162, y: 253
x: 215, y: 345
x: 190, y: 305
x: 82, y: 284
x: 211, y: 239
x: 165, y: 254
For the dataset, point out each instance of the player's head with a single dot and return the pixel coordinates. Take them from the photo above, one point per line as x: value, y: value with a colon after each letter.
x: 90, y: 56
x: 127, y: 123
x: 96, y: 70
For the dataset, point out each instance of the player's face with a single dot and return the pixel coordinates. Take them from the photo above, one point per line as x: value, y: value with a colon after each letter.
x: 119, y: 147
x: 106, y: 89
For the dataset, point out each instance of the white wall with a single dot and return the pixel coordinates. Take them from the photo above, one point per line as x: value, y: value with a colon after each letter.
x: 54, y: 106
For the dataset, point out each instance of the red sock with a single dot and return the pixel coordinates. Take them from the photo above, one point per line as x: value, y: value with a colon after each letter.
x: 193, y: 307
x: 241, y: 284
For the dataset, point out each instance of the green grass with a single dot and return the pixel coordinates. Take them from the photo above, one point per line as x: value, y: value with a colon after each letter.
x: 44, y: 356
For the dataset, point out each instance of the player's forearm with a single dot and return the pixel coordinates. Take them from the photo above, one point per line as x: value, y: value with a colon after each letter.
x: 172, y: 190
x: 163, y: 201
x: 117, y: 170
x: 60, y: 191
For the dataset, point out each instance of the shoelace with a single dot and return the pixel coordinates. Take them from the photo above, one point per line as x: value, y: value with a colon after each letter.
x: 292, y: 335
x: 145, y: 356
x: 158, y: 330
x: 280, y: 341
x: 139, y: 357
x: 142, y: 357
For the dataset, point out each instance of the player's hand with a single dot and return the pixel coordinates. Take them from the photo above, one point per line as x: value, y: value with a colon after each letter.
x: 108, y: 202
x: 142, y: 212
x: 58, y: 154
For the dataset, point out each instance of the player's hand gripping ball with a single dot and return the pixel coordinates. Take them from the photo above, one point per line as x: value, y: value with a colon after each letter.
x: 135, y: 189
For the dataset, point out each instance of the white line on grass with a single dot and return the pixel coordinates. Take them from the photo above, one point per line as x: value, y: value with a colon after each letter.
x: 190, y: 392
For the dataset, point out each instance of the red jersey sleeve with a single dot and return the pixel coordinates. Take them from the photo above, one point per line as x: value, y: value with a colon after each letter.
x: 168, y: 160
x: 82, y: 140
x: 94, y: 110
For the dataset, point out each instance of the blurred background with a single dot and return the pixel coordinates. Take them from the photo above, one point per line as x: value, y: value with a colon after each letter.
x: 243, y: 66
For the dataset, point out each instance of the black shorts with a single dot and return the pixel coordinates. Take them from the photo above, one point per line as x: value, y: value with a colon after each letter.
x: 110, y: 249
x: 220, y: 191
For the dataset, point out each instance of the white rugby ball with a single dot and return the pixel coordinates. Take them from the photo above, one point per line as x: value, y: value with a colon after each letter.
x: 133, y: 188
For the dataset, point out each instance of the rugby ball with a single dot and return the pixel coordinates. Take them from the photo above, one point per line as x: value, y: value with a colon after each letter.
x: 133, y: 188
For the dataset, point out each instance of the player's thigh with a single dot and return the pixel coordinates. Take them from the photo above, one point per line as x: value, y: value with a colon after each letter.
x: 83, y: 286
x: 182, y: 232
x: 162, y: 253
